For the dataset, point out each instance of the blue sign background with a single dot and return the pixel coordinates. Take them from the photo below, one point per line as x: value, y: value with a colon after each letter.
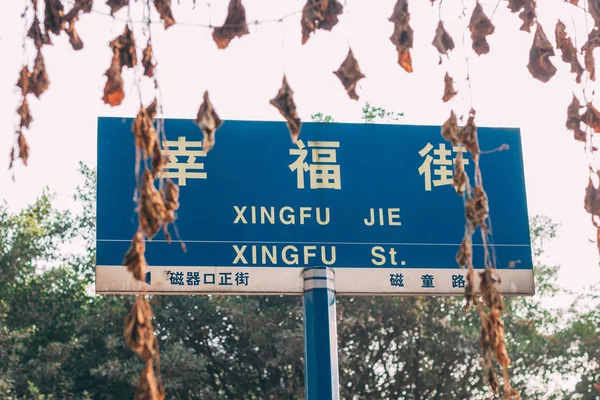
x: 379, y: 169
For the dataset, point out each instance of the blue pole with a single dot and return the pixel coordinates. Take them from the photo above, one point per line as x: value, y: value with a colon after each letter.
x: 321, y: 376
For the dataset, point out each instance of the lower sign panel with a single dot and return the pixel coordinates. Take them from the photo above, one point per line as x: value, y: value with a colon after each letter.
x: 286, y: 280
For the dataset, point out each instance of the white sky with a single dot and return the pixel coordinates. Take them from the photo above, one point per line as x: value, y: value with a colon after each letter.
x: 244, y: 77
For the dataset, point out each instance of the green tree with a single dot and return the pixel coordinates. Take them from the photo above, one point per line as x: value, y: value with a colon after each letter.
x: 59, y: 341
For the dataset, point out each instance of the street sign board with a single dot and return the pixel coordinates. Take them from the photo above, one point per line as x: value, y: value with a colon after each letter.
x: 373, y: 202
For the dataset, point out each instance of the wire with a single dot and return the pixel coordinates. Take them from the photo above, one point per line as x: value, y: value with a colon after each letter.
x: 209, y: 26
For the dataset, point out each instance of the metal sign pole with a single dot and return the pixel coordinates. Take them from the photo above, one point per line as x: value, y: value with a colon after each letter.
x: 321, y: 375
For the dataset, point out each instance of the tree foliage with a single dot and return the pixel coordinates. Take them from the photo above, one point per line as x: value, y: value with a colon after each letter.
x: 60, y: 341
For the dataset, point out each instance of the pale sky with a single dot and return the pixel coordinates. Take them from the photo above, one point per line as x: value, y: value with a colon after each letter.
x: 244, y: 77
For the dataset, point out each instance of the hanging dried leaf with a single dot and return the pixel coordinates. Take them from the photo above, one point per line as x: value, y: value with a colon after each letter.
x: 171, y: 200
x: 24, y: 113
x: 476, y: 209
x: 442, y: 41
x: 460, y: 177
x: 489, y: 292
x: 151, y: 210
x: 113, y: 89
x: 594, y: 10
x: 54, y: 16
x: 146, y: 138
x: 164, y: 10
x: 515, y: 5
x: 450, y: 130
x: 592, y: 197
x: 284, y: 102
x: 23, y: 82
x: 148, y: 388
x: 449, y: 91
x: 569, y: 54
x: 588, y: 49
x: 139, y: 333
x: 84, y: 6
x: 528, y: 15
x: 35, y: 33
x: 134, y: 258
x: 208, y: 121
x: 11, y: 158
x: 235, y: 25
x: 349, y: 73
x: 124, y: 47
x: 116, y: 5
x: 402, y: 37
x: 541, y: 50
x: 465, y: 252
x: 158, y: 161
x: 319, y: 14
x: 574, y: 120
x: 147, y: 61
x: 23, y: 148
x: 470, y: 286
x: 74, y: 38
x: 468, y: 136
x: 591, y: 117
x: 480, y: 26
x: 38, y: 82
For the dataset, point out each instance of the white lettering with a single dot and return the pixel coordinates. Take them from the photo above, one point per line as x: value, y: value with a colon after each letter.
x: 264, y: 212
x: 240, y: 254
x: 378, y: 252
x: 308, y: 254
x: 291, y: 218
x: 394, y: 213
x: 304, y: 213
x: 240, y: 215
x: 294, y: 259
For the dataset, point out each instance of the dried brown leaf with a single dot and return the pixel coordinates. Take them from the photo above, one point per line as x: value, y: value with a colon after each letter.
x: 147, y: 61
x: 349, y: 74
x: 574, y: 120
x: 319, y: 14
x: 158, y: 161
x: 480, y: 26
x: 164, y: 10
x: 171, y: 200
x: 84, y: 6
x: 476, y: 208
x: 235, y: 25
x: 402, y: 37
x: 515, y: 5
x: 146, y: 138
x: 591, y: 117
x: 134, y: 258
x: 569, y: 54
x: 208, y: 121
x: 591, y: 201
x: 460, y: 177
x: 449, y: 91
x: 148, y: 387
x: 11, y: 158
x: 116, y: 5
x: 74, y: 38
x: 465, y: 253
x: 540, y: 66
x: 38, y: 82
x: 139, y: 333
x: 468, y: 136
x: 54, y: 17
x: 588, y: 48
x: 23, y: 148
x: 284, y: 102
x: 594, y: 10
x: 23, y: 82
x: 442, y: 41
x: 151, y: 209
x: 450, y: 130
x: 488, y: 290
x: 124, y: 47
x: 470, y: 286
x: 24, y: 113
x: 113, y: 89
x: 528, y: 15
x: 35, y: 33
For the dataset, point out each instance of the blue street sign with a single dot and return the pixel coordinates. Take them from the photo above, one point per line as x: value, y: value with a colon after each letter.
x: 373, y: 202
